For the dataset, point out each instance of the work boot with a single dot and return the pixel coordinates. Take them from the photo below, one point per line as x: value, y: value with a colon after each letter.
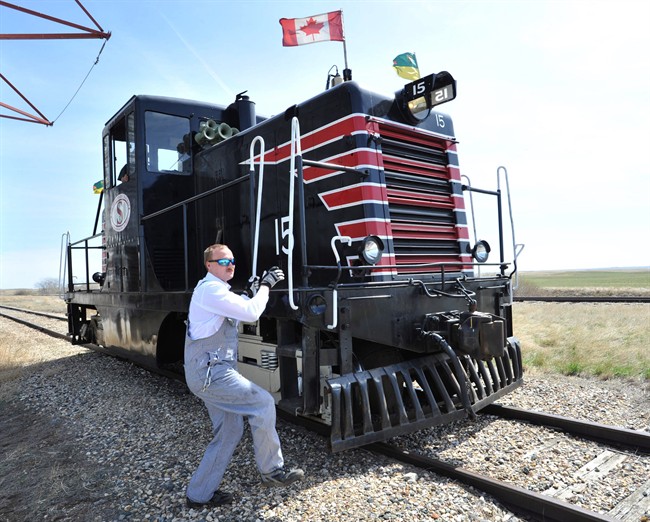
x: 218, y: 499
x: 280, y: 477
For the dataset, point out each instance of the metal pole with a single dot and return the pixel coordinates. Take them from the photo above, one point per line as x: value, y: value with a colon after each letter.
x: 303, y: 220
x: 186, y: 259
x: 347, y: 73
x: 99, y: 211
x: 501, y: 239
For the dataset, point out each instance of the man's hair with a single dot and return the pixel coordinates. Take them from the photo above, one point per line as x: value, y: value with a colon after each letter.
x: 207, y: 253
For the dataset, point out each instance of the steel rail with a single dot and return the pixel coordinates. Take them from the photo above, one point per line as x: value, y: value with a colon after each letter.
x: 519, y: 500
x: 34, y: 326
x: 583, y: 299
x: 616, y: 436
x: 94, y: 347
x: 33, y: 312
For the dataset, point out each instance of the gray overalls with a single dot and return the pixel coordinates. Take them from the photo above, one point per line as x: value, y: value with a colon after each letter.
x: 211, y: 374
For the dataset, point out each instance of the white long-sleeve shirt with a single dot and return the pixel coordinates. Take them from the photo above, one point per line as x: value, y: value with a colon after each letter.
x: 212, y: 301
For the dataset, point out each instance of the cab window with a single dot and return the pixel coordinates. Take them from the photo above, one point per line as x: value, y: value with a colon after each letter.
x: 119, y: 151
x: 167, y: 143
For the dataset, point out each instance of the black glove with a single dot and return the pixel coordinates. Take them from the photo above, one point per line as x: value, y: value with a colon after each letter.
x: 252, y: 286
x: 272, y: 276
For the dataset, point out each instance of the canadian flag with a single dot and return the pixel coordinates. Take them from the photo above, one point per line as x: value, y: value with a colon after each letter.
x: 317, y: 28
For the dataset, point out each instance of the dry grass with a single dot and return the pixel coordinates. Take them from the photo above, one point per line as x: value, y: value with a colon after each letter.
x: 604, y: 340
x: 39, y: 303
x: 597, y: 283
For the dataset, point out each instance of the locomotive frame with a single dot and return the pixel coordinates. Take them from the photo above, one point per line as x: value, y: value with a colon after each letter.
x: 385, y: 324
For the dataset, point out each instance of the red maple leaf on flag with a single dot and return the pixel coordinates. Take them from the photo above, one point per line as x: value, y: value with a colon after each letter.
x: 312, y: 27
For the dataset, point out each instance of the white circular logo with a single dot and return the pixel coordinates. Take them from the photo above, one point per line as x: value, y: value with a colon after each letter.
x: 120, y: 212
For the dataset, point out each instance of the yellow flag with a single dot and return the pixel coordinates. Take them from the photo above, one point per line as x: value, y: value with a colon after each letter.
x: 406, y: 66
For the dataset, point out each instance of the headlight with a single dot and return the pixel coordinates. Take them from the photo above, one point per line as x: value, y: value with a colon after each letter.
x: 371, y: 250
x: 418, y: 109
x: 481, y: 251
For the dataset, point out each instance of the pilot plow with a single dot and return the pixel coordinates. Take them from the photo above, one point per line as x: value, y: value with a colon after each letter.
x: 376, y: 404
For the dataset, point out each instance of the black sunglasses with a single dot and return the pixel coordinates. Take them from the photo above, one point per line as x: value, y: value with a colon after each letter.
x: 223, y: 262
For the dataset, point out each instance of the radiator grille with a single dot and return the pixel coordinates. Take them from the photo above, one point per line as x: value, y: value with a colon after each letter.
x: 420, y: 200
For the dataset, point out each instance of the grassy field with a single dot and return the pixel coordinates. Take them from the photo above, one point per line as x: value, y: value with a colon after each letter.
x: 630, y: 282
x: 597, y: 340
x: 602, y: 340
x: 633, y: 278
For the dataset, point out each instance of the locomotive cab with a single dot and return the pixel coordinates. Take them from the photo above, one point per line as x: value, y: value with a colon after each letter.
x: 384, y: 324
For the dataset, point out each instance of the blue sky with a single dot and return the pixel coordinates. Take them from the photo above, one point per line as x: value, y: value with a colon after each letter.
x: 558, y: 92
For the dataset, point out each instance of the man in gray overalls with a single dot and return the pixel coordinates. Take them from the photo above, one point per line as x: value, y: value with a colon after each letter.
x: 211, y: 374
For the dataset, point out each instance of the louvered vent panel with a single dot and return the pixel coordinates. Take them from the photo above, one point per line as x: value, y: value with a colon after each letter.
x: 420, y: 200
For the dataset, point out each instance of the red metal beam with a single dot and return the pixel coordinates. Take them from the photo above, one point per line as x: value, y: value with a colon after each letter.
x: 31, y: 117
x: 86, y: 32
x: 52, y: 36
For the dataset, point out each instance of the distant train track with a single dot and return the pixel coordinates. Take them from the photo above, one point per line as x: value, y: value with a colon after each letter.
x: 583, y: 299
x: 44, y: 329
x: 521, y: 501
x: 53, y: 332
x: 33, y: 312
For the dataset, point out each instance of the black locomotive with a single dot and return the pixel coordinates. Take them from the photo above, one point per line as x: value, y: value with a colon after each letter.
x: 384, y: 325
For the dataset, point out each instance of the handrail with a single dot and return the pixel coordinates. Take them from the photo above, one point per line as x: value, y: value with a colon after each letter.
x: 196, y: 197
x: 256, y: 233
x: 63, y: 262
x: 497, y: 194
x: 335, y: 166
x: 471, y: 205
x: 295, y: 152
x: 184, y: 204
x: 84, y: 240
x: 335, y: 316
x: 165, y: 210
x: 472, y: 213
x: 516, y: 248
x: 441, y: 264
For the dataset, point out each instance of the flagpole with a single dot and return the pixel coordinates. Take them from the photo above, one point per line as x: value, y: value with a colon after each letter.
x: 347, y: 73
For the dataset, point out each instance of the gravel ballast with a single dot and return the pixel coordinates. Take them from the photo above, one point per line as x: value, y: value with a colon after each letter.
x: 89, y: 437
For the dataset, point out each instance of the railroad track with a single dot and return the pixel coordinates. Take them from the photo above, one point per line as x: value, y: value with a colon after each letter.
x: 41, y: 328
x: 583, y: 299
x: 34, y: 312
x: 626, y: 439
x: 523, y: 502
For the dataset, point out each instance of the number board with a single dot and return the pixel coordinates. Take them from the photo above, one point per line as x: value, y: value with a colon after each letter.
x: 438, y: 88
